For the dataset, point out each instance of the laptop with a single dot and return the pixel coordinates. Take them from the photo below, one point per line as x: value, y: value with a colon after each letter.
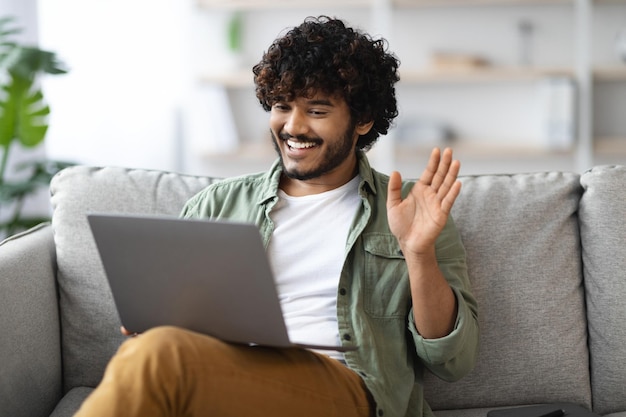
x: 544, y: 410
x: 207, y: 276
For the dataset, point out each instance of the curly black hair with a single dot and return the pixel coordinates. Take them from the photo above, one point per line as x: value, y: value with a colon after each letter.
x: 323, y: 55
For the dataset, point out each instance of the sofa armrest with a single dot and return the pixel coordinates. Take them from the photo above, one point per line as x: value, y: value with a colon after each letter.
x: 30, y: 347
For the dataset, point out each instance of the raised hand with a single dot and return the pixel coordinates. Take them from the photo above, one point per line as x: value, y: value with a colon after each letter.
x: 418, y: 219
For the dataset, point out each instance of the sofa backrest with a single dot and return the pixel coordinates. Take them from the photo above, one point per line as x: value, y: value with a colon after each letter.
x: 90, y: 325
x: 603, y: 234
x: 522, y: 239
x: 523, y: 253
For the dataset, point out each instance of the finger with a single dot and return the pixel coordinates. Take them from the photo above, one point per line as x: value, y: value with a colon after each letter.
x: 394, y: 190
x: 450, y: 198
x: 126, y: 332
x: 450, y: 178
x: 443, y: 169
x: 431, y: 167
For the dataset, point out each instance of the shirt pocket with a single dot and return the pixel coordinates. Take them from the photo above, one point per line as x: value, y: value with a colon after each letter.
x: 386, y: 280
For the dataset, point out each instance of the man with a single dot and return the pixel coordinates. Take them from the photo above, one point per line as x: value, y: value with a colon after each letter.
x: 360, y: 258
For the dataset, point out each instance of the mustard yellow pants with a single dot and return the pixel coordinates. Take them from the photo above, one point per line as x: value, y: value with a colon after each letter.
x: 173, y: 372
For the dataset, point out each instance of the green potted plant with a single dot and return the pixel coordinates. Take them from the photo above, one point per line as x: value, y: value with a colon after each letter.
x: 23, y: 122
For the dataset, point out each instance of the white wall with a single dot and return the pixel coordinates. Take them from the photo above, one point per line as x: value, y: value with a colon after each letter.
x: 120, y: 102
x: 25, y: 11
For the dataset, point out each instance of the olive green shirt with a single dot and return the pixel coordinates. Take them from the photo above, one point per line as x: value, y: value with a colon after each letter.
x: 373, y: 297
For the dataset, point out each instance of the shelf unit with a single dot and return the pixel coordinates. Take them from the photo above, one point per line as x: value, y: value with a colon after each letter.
x: 243, y: 79
x: 584, y: 74
x: 609, y: 73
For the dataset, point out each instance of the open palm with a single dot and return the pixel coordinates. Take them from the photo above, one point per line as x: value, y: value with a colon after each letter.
x: 418, y: 219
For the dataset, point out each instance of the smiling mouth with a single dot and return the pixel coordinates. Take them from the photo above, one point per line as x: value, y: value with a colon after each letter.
x: 300, y: 145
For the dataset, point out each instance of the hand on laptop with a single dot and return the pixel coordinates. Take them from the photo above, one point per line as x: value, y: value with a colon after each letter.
x: 125, y: 332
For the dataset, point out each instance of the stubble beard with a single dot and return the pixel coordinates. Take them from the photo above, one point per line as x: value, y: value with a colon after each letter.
x: 334, y: 155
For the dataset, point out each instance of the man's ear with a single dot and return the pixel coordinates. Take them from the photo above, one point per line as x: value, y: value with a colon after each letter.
x: 363, y: 128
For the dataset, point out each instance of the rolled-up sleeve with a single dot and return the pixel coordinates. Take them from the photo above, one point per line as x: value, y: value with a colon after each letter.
x: 453, y: 356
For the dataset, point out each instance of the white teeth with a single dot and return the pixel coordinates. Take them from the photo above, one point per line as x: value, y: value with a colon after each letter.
x: 300, y: 145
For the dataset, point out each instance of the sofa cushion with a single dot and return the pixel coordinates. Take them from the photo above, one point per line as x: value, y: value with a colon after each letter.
x: 91, y: 327
x: 523, y: 253
x: 30, y: 342
x: 603, y: 235
x: 71, y: 402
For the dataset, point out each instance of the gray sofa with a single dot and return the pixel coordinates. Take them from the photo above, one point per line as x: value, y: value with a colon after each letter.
x: 546, y: 256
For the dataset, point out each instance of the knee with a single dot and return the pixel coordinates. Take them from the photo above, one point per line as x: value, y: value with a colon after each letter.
x: 159, y: 337
x: 156, y: 361
x: 155, y: 337
x: 163, y: 345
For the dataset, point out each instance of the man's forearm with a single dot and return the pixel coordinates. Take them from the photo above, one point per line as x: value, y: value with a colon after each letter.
x: 434, y: 302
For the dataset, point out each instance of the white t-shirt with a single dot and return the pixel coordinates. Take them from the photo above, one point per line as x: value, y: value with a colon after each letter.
x: 307, y: 252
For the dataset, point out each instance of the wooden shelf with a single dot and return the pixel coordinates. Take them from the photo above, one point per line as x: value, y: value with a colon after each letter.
x: 482, y: 75
x: 233, y: 79
x: 469, y: 148
x: 610, y: 146
x: 262, y: 149
x: 614, y: 73
x: 244, y: 78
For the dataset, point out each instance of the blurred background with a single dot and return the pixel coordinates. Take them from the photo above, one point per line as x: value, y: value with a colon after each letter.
x: 512, y: 86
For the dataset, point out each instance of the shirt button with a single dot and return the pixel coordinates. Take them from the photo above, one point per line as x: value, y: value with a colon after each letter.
x: 380, y: 412
x: 346, y: 336
x: 343, y: 291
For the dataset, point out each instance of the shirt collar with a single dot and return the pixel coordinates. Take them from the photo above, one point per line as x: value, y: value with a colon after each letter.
x: 271, y: 183
x: 365, y: 171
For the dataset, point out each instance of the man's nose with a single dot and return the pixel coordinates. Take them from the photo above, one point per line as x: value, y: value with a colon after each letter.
x: 296, y: 123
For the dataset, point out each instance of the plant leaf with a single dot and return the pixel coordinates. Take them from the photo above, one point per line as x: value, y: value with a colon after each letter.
x: 41, y: 173
x: 7, y: 117
x: 4, y: 21
x: 15, y: 225
x: 31, y: 123
x: 23, y: 114
x: 44, y: 170
x: 28, y: 61
x: 6, y: 46
x: 11, y: 191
